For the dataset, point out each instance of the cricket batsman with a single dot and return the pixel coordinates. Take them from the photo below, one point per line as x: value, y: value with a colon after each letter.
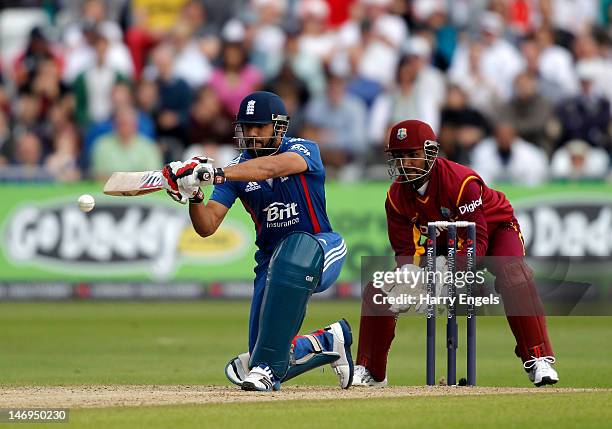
x: 280, y: 182
x: 425, y: 189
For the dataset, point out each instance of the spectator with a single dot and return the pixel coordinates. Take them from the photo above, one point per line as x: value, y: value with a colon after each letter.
x: 62, y: 163
x: 113, y: 11
x: 381, y: 47
x: 587, y: 115
x: 461, y: 126
x: 571, y: 16
x: 268, y: 37
x: 174, y: 100
x: 588, y: 51
x: 360, y: 86
x: 505, y: 157
x: 429, y: 79
x: 80, y: 38
x: 295, y: 105
x: 529, y: 112
x: 5, y: 101
x: 549, y: 87
x: 294, y: 92
x: 194, y: 15
x: 28, y: 115
x: 26, y: 161
x: 405, y: 100
x: 445, y: 37
x: 315, y: 40
x: 482, y: 93
x: 151, y: 22
x: 147, y: 97
x: 5, y: 139
x: 59, y: 120
x: 38, y: 50
x: 236, y: 78
x: 306, y: 67
x: 208, y: 123
x: 336, y: 121
x: 190, y: 63
x: 49, y: 89
x: 93, y: 87
x: 555, y: 63
x: 520, y: 15
x: 121, y: 97
x: 28, y: 151
x: 500, y: 61
x: 124, y: 149
x: 577, y: 160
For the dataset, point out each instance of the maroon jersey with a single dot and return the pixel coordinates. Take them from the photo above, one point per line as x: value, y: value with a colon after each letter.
x: 454, y: 192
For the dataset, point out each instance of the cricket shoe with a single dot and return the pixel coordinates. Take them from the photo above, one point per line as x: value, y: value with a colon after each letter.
x: 237, y: 369
x: 260, y: 379
x: 343, y: 339
x: 540, y: 370
x: 362, y: 377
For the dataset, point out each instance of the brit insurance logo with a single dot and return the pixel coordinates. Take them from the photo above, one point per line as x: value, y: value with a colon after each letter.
x: 281, y: 215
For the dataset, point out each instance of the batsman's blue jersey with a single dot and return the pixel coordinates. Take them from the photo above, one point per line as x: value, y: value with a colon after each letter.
x: 292, y: 203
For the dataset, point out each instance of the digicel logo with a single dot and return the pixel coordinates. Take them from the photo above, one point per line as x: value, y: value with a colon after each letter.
x: 470, y: 207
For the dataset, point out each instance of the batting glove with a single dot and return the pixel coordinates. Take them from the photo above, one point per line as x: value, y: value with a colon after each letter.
x: 177, y: 196
x: 180, y: 178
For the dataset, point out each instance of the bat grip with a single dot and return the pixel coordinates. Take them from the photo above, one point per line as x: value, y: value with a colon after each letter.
x: 201, y: 174
x: 216, y: 177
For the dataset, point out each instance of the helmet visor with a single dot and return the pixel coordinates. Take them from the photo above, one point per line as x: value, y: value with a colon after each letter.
x: 404, y: 169
x: 261, y: 145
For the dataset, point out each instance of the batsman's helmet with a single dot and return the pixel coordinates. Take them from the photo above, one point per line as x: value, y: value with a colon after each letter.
x: 260, y: 108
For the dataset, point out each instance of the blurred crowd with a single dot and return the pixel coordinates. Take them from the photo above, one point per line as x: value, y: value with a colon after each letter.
x: 518, y: 89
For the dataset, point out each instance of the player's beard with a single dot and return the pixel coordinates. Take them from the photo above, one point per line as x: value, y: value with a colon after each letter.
x: 265, y: 150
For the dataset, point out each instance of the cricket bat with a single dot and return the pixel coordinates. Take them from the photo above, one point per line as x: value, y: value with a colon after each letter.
x: 131, y: 184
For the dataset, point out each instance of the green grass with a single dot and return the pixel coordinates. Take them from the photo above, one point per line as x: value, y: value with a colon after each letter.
x: 189, y: 343
x: 583, y: 410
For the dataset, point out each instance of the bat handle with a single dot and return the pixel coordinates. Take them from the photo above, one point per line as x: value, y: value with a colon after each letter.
x: 201, y: 173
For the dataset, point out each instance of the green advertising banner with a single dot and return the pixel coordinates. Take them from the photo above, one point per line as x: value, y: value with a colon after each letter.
x: 45, y: 237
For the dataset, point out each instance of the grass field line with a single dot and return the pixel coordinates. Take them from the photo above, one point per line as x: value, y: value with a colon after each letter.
x: 100, y: 396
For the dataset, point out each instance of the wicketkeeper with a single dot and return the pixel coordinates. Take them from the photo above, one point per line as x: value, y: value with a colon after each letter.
x: 426, y: 188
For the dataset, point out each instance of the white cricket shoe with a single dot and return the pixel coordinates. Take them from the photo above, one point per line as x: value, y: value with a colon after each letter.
x: 260, y: 379
x: 362, y: 377
x: 541, y: 371
x: 343, y: 339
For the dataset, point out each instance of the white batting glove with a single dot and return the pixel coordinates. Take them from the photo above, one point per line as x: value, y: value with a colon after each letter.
x: 181, y: 178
